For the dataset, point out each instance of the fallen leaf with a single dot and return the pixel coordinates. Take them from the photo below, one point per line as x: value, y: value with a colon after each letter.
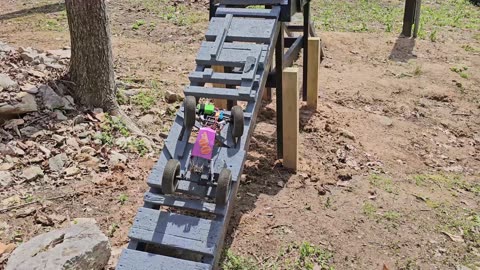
x: 385, y: 267
x: 6, y: 248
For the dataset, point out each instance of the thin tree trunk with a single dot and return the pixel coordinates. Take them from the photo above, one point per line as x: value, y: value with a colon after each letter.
x: 91, y: 66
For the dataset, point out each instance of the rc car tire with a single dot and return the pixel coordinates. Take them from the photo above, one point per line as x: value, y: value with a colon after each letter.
x: 190, y: 106
x: 170, y: 176
x: 238, y: 121
x: 223, y: 186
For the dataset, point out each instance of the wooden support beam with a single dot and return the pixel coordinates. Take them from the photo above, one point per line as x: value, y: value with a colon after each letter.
x: 313, y: 69
x: 220, y: 103
x: 290, y: 117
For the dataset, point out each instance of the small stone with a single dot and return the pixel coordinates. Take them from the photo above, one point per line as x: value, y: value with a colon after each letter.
x: 5, y: 178
x: 6, y: 166
x: 347, y: 134
x: 280, y: 184
x: 71, y: 171
x: 29, y: 89
x: 386, y: 121
x: 44, y: 150
x: 454, y: 169
x: 43, y: 219
x: 72, y: 142
x: 31, y: 173
x: 147, y: 120
x: 172, y: 97
x: 29, y: 131
x: 58, y: 138
x: 57, y: 162
x: 18, y: 151
x: 116, y: 159
x: 60, y: 116
x: 28, y: 55
x: 88, y: 150
x: 6, y: 82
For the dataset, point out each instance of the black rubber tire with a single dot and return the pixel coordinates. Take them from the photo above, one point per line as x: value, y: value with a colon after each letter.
x: 190, y: 107
x: 223, y: 186
x: 170, y: 176
x: 238, y: 121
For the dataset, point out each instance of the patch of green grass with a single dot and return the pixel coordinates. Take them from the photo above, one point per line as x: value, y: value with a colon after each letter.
x: 387, y: 16
x: 122, y: 199
x: 383, y: 182
x: 313, y: 257
x: 458, y: 221
x: 417, y: 71
x: 112, y: 229
x: 180, y: 15
x: 392, y: 216
x: 460, y: 71
x: 369, y: 209
x: 235, y: 262
x: 145, y: 100
x: 139, y: 146
x: 137, y: 24
x: 112, y: 127
x: 470, y: 48
x: 449, y: 181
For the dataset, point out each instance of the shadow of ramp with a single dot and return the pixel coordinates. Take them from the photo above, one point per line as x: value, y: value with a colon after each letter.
x: 403, y: 49
x: 50, y: 8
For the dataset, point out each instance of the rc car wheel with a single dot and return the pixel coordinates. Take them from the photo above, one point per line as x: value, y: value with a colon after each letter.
x: 170, y: 176
x: 190, y: 106
x: 238, y: 121
x: 223, y: 185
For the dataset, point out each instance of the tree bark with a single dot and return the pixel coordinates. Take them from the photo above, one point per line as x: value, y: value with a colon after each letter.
x: 91, y: 66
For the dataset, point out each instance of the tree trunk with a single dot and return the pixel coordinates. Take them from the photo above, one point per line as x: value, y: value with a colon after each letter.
x: 91, y: 66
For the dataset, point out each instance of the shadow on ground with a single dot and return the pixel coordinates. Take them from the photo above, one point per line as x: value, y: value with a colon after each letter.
x: 50, y: 8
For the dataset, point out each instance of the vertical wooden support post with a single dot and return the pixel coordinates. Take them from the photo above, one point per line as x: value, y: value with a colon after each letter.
x: 220, y: 103
x: 290, y: 117
x: 279, y: 50
x: 306, y: 50
x: 312, y: 76
x: 408, y: 17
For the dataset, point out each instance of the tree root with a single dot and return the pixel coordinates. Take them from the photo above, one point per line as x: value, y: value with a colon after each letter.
x: 131, y: 125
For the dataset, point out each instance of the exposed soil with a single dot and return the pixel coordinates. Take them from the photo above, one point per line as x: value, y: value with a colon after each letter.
x: 389, y: 163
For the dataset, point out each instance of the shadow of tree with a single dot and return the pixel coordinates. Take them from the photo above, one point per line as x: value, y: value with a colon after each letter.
x: 50, y: 8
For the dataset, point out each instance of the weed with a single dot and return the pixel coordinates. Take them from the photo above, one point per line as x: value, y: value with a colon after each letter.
x: 469, y: 48
x: 392, y: 216
x: 235, y: 262
x: 383, y: 182
x: 417, y: 71
x: 111, y: 127
x: 460, y: 71
x: 112, y: 229
x: 313, y: 257
x: 139, y: 146
x: 328, y: 203
x: 122, y: 199
x: 463, y: 75
x: 369, y: 209
x: 433, y: 36
x: 449, y: 181
x: 145, y: 100
x: 122, y: 99
x: 137, y: 24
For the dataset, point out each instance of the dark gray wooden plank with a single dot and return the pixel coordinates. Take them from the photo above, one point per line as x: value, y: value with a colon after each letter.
x: 216, y: 77
x: 253, y: 2
x: 220, y: 93
x: 243, y: 29
x: 138, y: 260
x: 249, y: 12
x: 176, y: 231
x: 232, y: 54
x: 184, y: 203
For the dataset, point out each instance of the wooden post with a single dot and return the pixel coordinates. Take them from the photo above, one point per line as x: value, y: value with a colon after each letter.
x: 290, y: 117
x: 220, y: 103
x: 312, y: 76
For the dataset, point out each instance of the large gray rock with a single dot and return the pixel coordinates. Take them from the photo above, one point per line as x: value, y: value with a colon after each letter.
x: 51, y: 100
x: 27, y: 104
x: 5, y: 48
x: 57, y: 162
x: 6, y: 82
x: 81, y: 246
x: 5, y: 178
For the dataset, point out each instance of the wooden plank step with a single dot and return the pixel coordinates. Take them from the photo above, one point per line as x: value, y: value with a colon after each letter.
x: 215, y: 77
x: 220, y: 93
x: 253, y: 2
x: 231, y: 55
x: 177, y: 231
x: 138, y: 260
x: 242, y: 29
x: 249, y: 12
x: 184, y: 203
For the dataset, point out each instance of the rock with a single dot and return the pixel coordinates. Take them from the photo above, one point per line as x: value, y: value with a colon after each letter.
x: 31, y: 173
x: 57, y: 162
x: 123, y: 142
x: 60, y: 54
x: 5, y: 178
x: 29, y: 131
x: 147, y: 120
x: 6, y: 82
x: 43, y: 219
x: 27, y: 104
x: 347, y: 134
x: 18, y: 151
x: 454, y: 169
x: 72, y: 142
x: 5, y: 48
x: 72, y: 171
x: 51, y: 100
x: 40, y: 67
x: 29, y: 89
x: 386, y: 121
x: 280, y: 184
x: 6, y: 166
x: 28, y: 55
x: 172, y: 97
x: 116, y: 158
x: 88, y: 150
x: 58, y: 138
x: 80, y: 246
x: 44, y: 150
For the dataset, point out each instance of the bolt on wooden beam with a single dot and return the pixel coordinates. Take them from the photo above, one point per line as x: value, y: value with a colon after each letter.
x: 313, y: 69
x: 290, y: 107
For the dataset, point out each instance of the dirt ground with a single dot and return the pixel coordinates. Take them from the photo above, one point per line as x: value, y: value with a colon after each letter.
x: 389, y: 167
